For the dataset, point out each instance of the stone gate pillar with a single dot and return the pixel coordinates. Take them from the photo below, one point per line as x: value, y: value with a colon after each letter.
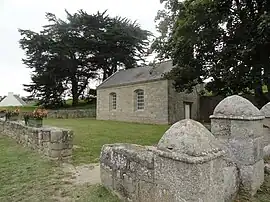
x: 237, y: 123
x: 265, y: 110
x: 188, y: 165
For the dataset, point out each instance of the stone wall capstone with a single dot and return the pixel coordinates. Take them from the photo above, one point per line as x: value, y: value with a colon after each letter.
x: 187, y: 165
x: 51, y: 142
x: 238, y: 125
x: 265, y: 110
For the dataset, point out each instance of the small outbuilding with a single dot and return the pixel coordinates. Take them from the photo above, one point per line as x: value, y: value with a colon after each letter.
x: 12, y: 100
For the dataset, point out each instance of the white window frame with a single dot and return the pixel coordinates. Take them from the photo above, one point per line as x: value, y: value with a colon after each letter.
x: 113, y: 101
x: 140, y: 100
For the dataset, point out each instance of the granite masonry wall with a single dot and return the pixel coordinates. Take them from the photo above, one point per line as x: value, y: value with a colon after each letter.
x: 156, y: 103
x: 78, y: 113
x: 178, y: 169
x: 238, y: 126
x: 51, y: 142
x: 265, y: 110
x: 192, y: 163
x: 163, y: 105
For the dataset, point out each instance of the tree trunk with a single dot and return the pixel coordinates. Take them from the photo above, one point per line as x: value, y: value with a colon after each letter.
x: 104, y: 76
x: 75, y: 94
x: 260, y: 97
x: 75, y: 100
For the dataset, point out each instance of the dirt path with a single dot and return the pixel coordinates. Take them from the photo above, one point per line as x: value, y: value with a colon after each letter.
x: 76, y: 176
x: 83, y: 174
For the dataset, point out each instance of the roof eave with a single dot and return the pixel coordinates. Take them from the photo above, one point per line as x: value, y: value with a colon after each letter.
x: 131, y: 83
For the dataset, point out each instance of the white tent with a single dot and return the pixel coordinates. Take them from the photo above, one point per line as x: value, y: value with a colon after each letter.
x: 12, y: 100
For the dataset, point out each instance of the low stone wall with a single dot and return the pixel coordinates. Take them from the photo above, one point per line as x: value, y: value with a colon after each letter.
x: 166, y: 173
x: 190, y: 163
x: 53, y: 143
x: 128, y: 169
x: 76, y: 113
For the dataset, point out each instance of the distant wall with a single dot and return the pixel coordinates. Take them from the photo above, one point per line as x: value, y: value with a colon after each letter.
x: 52, y: 142
x: 176, y: 104
x: 76, y: 113
x: 208, y: 104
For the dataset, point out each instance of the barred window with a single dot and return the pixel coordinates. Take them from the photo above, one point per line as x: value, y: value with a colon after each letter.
x: 139, y: 99
x: 113, y: 100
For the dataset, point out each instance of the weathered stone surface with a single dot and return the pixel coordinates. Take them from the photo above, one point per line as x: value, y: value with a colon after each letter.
x: 246, y: 129
x: 267, y: 168
x: 246, y: 151
x: 78, y: 113
x: 106, y: 177
x: 66, y: 152
x: 265, y: 110
x: 238, y: 125
x: 237, y: 107
x: 54, y: 154
x: 142, y: 174
x: 252, y: 177
x: 123, y: 166
x: 191, y: 182
x: 147, y: 191
x: 56, y: 136
x: 221, y: 127
x: 231, y: 183
x: 266, y: 151
x: 188, y: 137
x: 266, y: 136
x: 51, y: 142
x: 266, y: 122
x: 56, y: 146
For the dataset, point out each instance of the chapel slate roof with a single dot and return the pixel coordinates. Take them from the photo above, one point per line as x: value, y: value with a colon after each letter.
x: 137, y: 75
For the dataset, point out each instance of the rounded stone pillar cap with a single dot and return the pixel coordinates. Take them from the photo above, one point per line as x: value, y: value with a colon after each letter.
x: 265, y: 110
x: 236, y: 107
x: 189, y: 137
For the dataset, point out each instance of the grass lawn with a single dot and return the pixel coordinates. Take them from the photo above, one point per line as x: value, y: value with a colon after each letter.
x: 27, y: 177
x: 27, y: 108
x: 91, y: 134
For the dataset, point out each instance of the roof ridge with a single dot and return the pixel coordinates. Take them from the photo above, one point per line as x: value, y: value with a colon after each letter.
x: 139, y: 73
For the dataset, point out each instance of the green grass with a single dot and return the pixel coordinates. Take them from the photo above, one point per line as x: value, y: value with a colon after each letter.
x: 91, y: 134
x: 27, y: 108
x: 263, y: 195
x: 25, y: 176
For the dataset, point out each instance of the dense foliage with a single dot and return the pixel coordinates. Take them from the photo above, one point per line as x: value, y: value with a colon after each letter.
x: 66, y: 55
x: 224, y: 41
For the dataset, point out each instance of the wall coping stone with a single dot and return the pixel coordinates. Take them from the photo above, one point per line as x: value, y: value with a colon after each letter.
x: 265, y: 110
x: 189, y: 137
x: 231, y: 117
x: 236, y: 106
x: 187, y: 158
x: 134, y: 151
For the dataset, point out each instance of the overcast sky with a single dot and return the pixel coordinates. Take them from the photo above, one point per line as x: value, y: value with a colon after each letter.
x: 30, y: 14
